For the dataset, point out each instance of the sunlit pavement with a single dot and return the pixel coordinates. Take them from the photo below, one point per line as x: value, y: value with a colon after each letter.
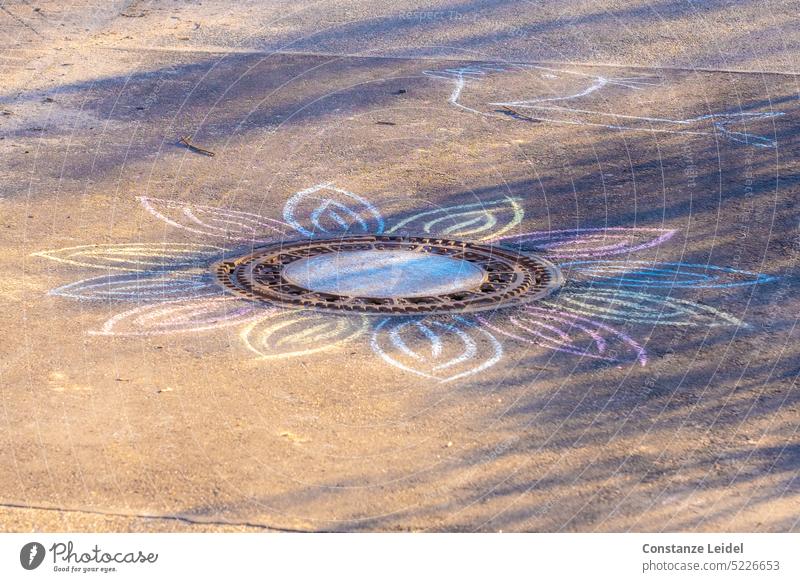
x: 655, y: 391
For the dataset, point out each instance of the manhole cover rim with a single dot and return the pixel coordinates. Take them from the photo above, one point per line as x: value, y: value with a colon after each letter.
x: 257, y: 275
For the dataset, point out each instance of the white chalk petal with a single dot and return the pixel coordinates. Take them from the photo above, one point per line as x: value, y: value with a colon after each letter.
x: 216, y: 222
x: 635, y: 307
x: 141, y: 287
x: 589, y: 242
x: 135, y: 256
x: 477, y: 221
x: 439, y: 350
x: 325, y: 210
x: 299, y: 333
x: 192, y: 316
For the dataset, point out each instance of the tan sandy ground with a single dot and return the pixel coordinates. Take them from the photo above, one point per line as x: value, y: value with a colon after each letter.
x: 191, y: 432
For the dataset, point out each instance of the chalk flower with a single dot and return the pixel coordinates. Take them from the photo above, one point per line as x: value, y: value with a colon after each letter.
x: 169, y: 288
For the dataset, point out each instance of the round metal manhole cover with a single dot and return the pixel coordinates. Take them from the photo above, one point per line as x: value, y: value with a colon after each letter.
x: 390, y: 275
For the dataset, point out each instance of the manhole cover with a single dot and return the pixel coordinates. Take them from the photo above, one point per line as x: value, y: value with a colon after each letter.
x: 390, y: 275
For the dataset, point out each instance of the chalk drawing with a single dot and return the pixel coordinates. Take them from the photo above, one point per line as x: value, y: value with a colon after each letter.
x: 180, y: 295
x: 489, y: 219
x: 181, y: 317
x: 649, y: 274
x: 588, y: 242
x: 720, y: 122
x: 325, y: 210
x: 460, y: 75
x: 471, y: 71
x: 141, y: 287
x: 439, y: 350
x: 565, y: 332
x: 300, y: 333
x: 216, y: 222
x: 589, y: 83
x: 723, y: 122
x: 630, y: 306
x: 731, y: 125
x: 475, y: 72
x: 134, y: 256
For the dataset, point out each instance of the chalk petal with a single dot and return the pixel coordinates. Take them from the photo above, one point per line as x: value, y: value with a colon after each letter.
x: 216, y: 222
x: 181, y: 317
x: 300, y: 333
x: 643, y: 274
x: 325, y: 210
x: 141, y: 287
x: 630, y: 306
x: 477, y: 221
x: 135, y: 256
x: 440, y: 350
x: 589, y: 242
x: 565, y: 332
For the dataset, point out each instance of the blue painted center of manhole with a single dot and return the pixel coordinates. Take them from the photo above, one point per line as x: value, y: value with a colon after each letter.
x: 383, y: 274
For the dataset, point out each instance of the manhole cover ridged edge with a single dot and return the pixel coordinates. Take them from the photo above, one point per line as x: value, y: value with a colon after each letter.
x: 512, y: 278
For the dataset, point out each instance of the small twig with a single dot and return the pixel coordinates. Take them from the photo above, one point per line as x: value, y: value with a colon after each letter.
x: 385, y: 123
x: 187, y: 142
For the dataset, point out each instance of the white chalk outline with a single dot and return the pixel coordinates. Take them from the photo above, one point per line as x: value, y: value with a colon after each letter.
x: 325, y: 205
x: 469, y: 353
x: 484, y: 209
x: 196, y: 254
x: 152, y: 311
x: 239, y: 219
x: 631, y: 306
x: 296, y: 317
x: 572, y: 235
x: 164, y: 286
x: 718, y: 120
